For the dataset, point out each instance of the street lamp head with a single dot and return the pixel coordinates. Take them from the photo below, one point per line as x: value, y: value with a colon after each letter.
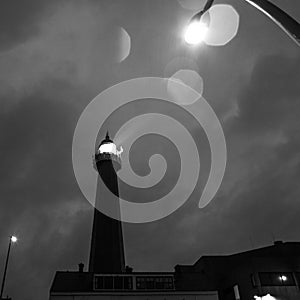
x: 13, y: 238
x: 195, y: 33
x: 197, y: 29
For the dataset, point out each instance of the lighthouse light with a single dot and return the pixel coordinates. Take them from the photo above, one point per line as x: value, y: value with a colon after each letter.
x: 108, y: 148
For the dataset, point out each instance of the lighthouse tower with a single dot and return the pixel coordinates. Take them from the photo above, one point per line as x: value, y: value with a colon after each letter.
x: 107, y: 249
x: 107, y: 277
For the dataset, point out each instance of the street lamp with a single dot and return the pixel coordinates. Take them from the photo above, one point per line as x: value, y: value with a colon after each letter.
x: 12, y: 239
x: 197, y: 29
x: 281, y: 18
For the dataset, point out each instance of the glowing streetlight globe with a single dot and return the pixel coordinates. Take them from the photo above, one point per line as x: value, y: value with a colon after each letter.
x: 283, y: 278
x: 195, y: 32
x: 13, y: 238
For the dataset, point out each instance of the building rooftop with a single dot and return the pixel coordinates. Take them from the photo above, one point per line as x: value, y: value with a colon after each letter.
x: 204, y: 275
x: 65, y: 282
x: 279, y: 248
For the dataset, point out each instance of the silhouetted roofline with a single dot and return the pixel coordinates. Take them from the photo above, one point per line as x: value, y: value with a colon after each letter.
x: 257, y: 251
x: 78, y: 282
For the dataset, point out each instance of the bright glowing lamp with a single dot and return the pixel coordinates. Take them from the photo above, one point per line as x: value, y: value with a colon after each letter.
x: 289, y: 25
x: 195, y: 32
x: 13, y: 238
x: 266, y: 297
x: 283, y: 278
x: 108, y: 148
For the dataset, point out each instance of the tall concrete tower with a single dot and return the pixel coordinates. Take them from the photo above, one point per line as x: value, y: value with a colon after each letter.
x: 107, y: 249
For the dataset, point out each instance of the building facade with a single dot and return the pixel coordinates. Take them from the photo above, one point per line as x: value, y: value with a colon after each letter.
x: 273, y: 270
x: 137, y: 285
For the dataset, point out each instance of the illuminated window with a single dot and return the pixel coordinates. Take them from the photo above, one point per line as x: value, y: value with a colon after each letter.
x: 276, y: 279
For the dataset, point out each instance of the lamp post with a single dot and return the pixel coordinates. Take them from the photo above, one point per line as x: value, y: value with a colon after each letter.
x: 12, y: 239
x: 281, y: 18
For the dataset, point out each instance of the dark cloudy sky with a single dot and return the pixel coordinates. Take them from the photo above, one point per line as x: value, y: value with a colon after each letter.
x: 56, y: 56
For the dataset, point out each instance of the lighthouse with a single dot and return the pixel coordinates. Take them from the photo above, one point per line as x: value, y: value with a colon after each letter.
x: 107, y: 248
x: 107, y: 277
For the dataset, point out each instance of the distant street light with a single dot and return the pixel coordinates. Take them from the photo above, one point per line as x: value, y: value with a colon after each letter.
x: 12, y: 239
x: 194, y: 34
x: 283, y: 278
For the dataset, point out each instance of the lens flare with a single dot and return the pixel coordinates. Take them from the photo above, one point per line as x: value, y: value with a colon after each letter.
x: 195, y: 32
x: 223, y: 26
x: 124, y: 45
x: 185, y: 96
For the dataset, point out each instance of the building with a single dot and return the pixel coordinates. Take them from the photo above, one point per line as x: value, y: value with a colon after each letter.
x: 107, y: 277
x: 137, y: 285
x: 273, y: 270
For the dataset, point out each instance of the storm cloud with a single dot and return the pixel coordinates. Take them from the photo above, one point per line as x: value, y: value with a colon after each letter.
x: 56, y: 56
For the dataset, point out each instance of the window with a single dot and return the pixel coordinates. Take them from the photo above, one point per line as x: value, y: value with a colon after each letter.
x: 276, y: 279
x: 118, y: 283
x: 143, y: 282
x: 99, y: 283
x: 127, y: 283
x: 108, y: 283
x: 113, y: 283
x: 154, y: 283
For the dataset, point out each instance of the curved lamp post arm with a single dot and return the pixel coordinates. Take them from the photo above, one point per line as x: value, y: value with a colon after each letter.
x: 208, y: 5
x: 281, y: 18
